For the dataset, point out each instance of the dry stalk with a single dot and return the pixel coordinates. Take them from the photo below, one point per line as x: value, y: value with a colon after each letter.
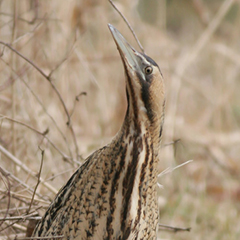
x: 185, y: 61
x: 22, y: 218
x: 31, y: 22
x: 228, y: 52
x: 9, y: 225
x: 14, y: 209
x: 44, y: 133
x: 31, y: 33
x: 16, y: 226
x: 12, y: 79
x: 25, y: 168
x: 128, y: 24
x: 38, y: 180
x: 77, y: 100
x: 220, y: 158
x: 211, y: 138
x: 40, y: 238
x: 25, y: 199
x: 8, y: 186
x: 21, y: 182
x: 12, y: 62
x: 202, y: 10
x: 40, y: 103
x: 59, y: 174
x: 173, y: 229
x: 86, y: 67
x: 169, y: 170
x: 48, y: 78
x: 18, y: 219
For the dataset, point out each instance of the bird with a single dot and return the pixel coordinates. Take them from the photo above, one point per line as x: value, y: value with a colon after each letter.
x: 113, y: 194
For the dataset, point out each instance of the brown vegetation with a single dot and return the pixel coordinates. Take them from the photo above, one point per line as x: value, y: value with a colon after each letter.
x: 62, y: 95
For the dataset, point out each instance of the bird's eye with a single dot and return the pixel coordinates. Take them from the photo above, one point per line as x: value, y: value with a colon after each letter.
x: 148, y: 70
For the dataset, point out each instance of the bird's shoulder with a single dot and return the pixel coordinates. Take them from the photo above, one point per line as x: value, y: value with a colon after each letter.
x: 78, y: 180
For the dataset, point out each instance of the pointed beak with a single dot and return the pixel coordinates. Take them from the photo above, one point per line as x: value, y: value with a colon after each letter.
x: 128, y: 54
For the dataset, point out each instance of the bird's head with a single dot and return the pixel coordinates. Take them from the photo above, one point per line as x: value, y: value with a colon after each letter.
x: 144, y: 84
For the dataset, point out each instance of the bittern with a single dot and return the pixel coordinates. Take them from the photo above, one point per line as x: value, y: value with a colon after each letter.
x: 113, y: 195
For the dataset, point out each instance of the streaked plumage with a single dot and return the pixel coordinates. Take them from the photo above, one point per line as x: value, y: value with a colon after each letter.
x: 113, y: 195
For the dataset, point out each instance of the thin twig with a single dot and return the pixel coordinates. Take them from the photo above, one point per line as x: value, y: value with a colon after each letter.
x: 68, y: 53
x: 25, y: 168
x: 21, y: 218
x: 30, y: 238
x: 77, y: 100
x: 38, y: 180
x: 18, y: 219
x: 32, y: 32
x: 42, y: 105
x: 37, y: 131
x: 173, y: 229
x: 171, y: 143
x: 9, y: 225
x: 83, y: 61
x: 14, y: 209
x: 41, y: 72
x: 185, y: 62
x: 169, y: 170
x: 228, y: 52
x: 8, y: 193
x: 21, y: 198
x: 22, y: 183
x: 27, y: 60
x: 219, y: 157
x: 128, y: 24
x: 59, y: 174
x: 31, y: 21
x: 13, y: 88
x: 48, y: 78
x: 12, y: 79
x: 29, y: 216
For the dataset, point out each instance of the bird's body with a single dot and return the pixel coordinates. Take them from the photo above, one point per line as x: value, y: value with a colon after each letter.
x: 113, y: 194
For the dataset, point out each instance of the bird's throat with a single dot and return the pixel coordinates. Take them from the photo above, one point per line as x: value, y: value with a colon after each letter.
x: 138, y: 175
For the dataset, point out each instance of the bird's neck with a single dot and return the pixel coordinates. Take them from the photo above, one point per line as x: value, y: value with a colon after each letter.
x: 135, y: 165
x: 136, y: 125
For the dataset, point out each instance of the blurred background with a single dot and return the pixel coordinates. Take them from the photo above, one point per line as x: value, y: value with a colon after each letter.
x: 62, y: 90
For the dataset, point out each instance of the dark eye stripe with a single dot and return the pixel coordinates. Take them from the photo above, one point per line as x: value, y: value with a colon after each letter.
x: 146, y: 100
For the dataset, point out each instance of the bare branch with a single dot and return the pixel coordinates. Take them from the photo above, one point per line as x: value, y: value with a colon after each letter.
x: 128, y: 24
x: 59, y: 174
x: 40, y: 102
x: 30, y: 238
x: 22, y: 183
x: 48, y: 78
x: 169, y: 170
x: 25, y: 168
x: 21, y: 218
x: 172, y: 143
x: 38, y: 180
x: 77, y: 100
x: 8, y: 193
x: 26, y: 59
x: 11, y: 79
x: 37, y: 131
x: 187, y: 59
x: 173, y: 229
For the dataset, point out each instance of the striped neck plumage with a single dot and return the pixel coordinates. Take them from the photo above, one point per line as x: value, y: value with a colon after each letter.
x: 137, y: 122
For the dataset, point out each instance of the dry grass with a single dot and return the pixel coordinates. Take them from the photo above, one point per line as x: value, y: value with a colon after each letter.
x: 196, y: 44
